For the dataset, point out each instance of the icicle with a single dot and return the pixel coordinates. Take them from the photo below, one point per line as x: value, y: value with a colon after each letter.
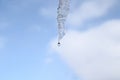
x: 62, y: 10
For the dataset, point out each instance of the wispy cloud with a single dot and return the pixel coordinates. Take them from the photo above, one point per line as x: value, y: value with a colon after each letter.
x: 90, y: 9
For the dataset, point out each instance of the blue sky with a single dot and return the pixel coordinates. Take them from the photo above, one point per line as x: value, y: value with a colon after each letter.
x: 28, y: 50
x: 24, y: 37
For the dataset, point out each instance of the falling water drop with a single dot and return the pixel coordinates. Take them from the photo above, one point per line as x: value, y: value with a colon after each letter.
x: 58, y: 44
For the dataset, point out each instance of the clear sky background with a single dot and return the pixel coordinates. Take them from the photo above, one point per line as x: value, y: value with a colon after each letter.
x: 89, y: 51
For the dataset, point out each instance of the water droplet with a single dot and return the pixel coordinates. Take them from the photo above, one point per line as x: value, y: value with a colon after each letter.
x: 58, y: 44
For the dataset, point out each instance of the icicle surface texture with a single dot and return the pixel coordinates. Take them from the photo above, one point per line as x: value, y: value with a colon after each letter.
x: 62, y: 10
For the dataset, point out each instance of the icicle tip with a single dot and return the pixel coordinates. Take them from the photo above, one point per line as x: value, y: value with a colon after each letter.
x: 58, y: 44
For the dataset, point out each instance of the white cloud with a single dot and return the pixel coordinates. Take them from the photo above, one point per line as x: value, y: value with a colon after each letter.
x: 93, y: 54
x: 90, y: 9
